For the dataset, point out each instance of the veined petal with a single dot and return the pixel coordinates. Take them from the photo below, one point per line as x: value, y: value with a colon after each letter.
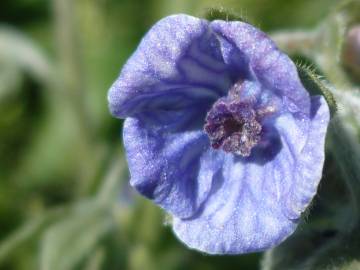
x: 272, y: 68
x: 240, y: 217
x: 311, y: 160
x: 177, y: 62
x: 247, y: 195
x: 256, y: 206
x: 171, y: 162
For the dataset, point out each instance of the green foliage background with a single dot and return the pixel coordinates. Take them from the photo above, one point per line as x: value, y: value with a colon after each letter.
x: 64, y: 198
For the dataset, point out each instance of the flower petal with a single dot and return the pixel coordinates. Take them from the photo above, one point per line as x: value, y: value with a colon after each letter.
x: 310, y: 164
x: 272, y: 68
x: 178, y: 63
x: 168, y: 163
x: 256, y: 206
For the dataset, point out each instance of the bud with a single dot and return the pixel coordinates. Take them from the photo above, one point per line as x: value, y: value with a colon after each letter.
x: 351, y: 51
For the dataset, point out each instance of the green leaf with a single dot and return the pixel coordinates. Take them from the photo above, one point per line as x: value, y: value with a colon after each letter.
x: 314, y: 251
x: 28, y: 231
x: 20, y: 51
x: 346, y: 151
x: 111, y: 187
x: 10, y: 78
x: 68, y: 242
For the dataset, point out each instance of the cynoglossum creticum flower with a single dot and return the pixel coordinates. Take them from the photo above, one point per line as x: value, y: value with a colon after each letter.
x: 220, y: 133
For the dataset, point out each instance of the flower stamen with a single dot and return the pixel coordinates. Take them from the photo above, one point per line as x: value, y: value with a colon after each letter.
x: 233, y: 126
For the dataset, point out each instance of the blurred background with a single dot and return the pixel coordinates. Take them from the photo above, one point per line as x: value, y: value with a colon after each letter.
x: 65, y: 202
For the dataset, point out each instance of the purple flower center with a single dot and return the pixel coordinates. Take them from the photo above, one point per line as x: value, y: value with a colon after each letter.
x: 233, y: 123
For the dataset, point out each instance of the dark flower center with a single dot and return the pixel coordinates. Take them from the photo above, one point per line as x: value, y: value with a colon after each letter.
x: 233, y: 124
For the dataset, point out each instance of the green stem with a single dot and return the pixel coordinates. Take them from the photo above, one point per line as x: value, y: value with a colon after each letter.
x: 71, y: 68
x: 72, y: 87
x: 30, y: 230
x: 113, y: 179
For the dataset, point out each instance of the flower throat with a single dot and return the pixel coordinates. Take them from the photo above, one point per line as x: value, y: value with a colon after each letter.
x: 233, y: 124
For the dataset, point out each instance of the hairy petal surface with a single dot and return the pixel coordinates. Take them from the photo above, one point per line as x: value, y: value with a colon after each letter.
x: 168, y: 163
x: 178, y: 63
x: 256, y: 206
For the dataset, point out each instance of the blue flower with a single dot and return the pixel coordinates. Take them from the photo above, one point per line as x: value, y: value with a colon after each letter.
x: 220, y: 133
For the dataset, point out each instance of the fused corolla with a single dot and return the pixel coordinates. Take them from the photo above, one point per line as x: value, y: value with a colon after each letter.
x: 220, y: 132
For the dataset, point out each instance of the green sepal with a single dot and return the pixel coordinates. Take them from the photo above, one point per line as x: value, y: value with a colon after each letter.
x: 315, y: 84
x: 221, y: 13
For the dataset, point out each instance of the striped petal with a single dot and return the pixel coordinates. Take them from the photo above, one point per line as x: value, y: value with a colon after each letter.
x: 256, y: 206
x: 170, y: 160
x: 178, y: 63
